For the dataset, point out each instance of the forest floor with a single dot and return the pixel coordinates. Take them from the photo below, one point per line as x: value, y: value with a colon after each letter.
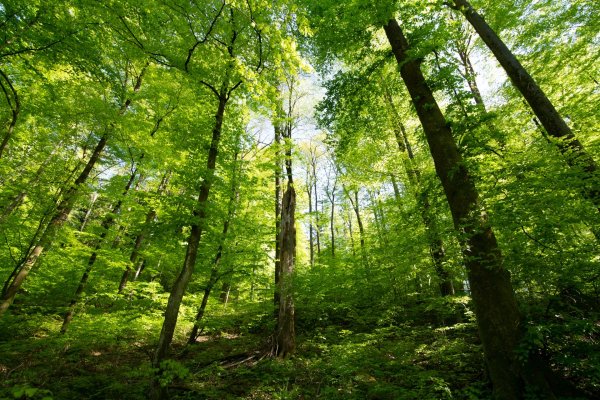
x: 342, y: 354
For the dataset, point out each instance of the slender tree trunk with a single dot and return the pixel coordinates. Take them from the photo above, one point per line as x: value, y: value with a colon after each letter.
x: 214, y: 277
x: 397, y: 195
x: 15, y: 110
x: 436, y: 244
x: 498, y: 316
x: 199, y: 218
x: 135, y: 252
x: 40, y: 229
x: 332, y: 224
x: 140, y: 268
x: 310, y: 225
x: 277, y: 217
x: 86, y: 217
x: 107, y: 223
x: 60, y: 216
x: 317, y: 229
x: 574, y: 152
x: 225, y: 290
x: 200, y: 314
x: 351, y: 232
x: 470, y: 77
x: 361, y: 229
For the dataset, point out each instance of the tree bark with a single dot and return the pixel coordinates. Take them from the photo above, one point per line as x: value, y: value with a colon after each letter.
x: 285, y: 338
x: 572, y: 149
x: 498, y: 316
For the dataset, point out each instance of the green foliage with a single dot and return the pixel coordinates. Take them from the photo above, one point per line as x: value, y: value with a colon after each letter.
x: 370, y: 322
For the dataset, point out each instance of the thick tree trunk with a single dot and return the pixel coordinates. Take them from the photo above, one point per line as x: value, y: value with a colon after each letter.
x: 285, y: 337
x: 107, y: 223
x: 574, y: 152
x: 199, y: 218
x: 59, y: 217
x: 498, y: 316
x: 436, y: 244
x: 139, y: 239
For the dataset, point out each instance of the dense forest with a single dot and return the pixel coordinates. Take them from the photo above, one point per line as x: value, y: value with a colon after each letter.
x: 299, y: 199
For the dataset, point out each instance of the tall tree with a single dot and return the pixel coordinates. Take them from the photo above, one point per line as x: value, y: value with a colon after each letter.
x: 575, y: 153
x: 498, y: 316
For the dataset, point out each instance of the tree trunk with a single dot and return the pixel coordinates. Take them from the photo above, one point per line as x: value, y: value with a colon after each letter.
x: 332, y: 224
x: 310, y: 225
x: 285, y: 338
x: 214, y: 277
x: 199, y: 218
x: 140, y: 268
x: 574, y: 152
x: 498, y: 316
x: 317, y: 233
x: 225, y: 290
x: 88, y: 212
x: 107, y: 223
x: 59, y: 217
x: 277, y: 217
x: 14, y: 109
x: 361, y: 229
x: 200, y: 314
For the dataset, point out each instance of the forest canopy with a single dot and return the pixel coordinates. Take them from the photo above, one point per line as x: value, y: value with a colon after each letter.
x: 292, y: 199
